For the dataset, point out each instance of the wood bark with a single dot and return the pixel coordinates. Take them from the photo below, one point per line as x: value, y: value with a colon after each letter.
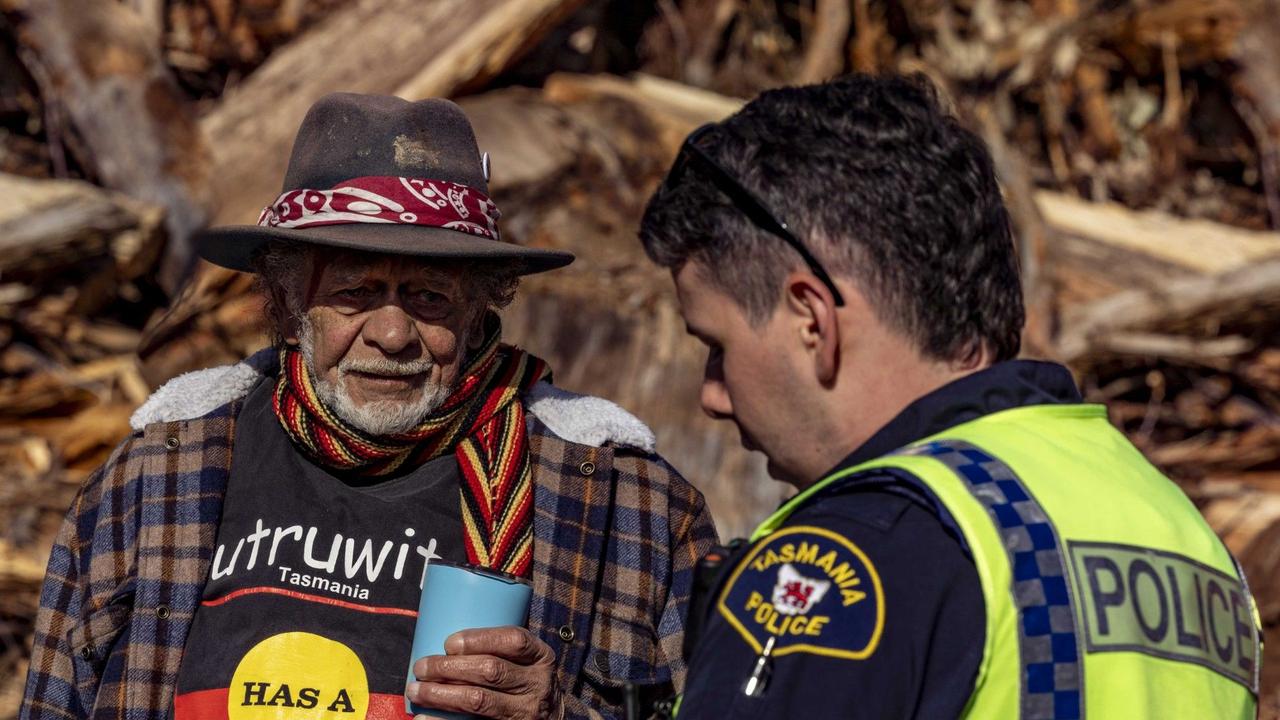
x: 1258, y: 85
x: 1248, y: 522
x: 1156, y: 235
x: 825, y: 50
x: 1253, y: 288
x: 675, y: 108
x: 488, y: 48
x: 101, y: 62
x: 1099, y: 249
x: 50, y: 226
x: 151, y: 12
x: 372, y: 46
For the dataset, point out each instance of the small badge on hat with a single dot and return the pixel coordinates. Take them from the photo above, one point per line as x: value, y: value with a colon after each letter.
x: 484, y: 165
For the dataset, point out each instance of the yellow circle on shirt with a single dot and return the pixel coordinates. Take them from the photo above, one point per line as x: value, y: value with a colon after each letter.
x: 298, y: 675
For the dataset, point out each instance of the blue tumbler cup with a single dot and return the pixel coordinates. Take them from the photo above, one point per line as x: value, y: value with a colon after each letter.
x: 455, y: 597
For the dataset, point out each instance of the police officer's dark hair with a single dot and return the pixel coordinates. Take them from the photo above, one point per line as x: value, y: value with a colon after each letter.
x: 882, y: 185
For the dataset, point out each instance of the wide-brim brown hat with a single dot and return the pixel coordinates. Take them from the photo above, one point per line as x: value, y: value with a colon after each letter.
x: 382, y: 174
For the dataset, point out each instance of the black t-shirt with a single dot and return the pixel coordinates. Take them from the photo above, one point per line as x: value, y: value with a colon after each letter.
x: 313, y: 590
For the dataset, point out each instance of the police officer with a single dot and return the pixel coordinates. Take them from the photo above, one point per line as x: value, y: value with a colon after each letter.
x: 969, y: 538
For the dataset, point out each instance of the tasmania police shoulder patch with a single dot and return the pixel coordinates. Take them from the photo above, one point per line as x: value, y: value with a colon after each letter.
x: 811, y: 589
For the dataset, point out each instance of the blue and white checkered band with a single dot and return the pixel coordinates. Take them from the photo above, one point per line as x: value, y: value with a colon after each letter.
x: 1048, y: 643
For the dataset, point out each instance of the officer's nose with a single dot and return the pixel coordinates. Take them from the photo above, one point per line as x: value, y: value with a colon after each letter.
x: 390, y: 329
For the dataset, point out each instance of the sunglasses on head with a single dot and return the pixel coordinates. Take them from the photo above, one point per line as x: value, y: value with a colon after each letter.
x: 744, y: 200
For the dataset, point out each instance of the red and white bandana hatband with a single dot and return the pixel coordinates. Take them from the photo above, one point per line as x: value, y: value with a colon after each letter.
x: 387, y: 200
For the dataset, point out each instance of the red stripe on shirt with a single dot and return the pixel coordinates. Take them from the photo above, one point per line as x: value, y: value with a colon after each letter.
x: 212, y: 705
x: 310, y: 598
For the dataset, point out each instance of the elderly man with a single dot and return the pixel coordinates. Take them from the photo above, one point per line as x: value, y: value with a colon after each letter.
x: 256, y: 548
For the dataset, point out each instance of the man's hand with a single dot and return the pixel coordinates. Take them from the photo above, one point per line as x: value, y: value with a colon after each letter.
x: 502, y: 672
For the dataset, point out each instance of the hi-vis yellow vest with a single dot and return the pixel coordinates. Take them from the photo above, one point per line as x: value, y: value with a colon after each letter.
x: 1107, y: 594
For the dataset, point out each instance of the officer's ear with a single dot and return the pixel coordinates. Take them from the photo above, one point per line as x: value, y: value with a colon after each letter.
x: 810, y: 304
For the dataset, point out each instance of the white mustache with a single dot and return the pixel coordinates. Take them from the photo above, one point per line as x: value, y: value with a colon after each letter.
x: 385, y: 367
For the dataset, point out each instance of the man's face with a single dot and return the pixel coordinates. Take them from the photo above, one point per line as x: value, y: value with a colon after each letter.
x: 385, y: 336
x: 749, y: 371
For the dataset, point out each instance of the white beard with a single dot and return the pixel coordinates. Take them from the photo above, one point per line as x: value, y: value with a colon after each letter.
x: 378, y: 417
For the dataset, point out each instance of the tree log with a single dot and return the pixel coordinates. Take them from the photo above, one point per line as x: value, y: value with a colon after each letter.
x: 825, y: 48
x: 1216, y: 300
x: 1100, y: 249
x: 1162, y: 237
x: 49, y: 226
x: 489, y: 47
x: 1249, y: 524
x: 102, y: 62
x: 1258, y: 85
x: 675, y: 108
x: 372, y: 46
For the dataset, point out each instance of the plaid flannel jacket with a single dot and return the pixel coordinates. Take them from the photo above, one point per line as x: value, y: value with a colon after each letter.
x: 617, y: 535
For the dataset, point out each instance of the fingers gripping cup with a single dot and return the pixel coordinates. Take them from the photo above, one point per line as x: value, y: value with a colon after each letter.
x: 457, y: 596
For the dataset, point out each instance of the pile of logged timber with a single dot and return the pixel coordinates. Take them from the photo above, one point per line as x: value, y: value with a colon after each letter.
x: 1171, y: 321
x: 75, y: 263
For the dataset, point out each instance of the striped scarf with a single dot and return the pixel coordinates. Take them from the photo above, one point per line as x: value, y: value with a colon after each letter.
x: 482, y: 423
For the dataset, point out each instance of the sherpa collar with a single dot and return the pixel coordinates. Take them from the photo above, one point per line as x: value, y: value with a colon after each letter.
x: 581, y: 419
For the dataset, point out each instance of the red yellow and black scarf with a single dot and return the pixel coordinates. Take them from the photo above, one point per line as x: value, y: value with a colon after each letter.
x: 482, y: 423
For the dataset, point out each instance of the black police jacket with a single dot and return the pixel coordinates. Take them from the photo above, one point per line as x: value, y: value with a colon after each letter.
x: 868, y: 586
